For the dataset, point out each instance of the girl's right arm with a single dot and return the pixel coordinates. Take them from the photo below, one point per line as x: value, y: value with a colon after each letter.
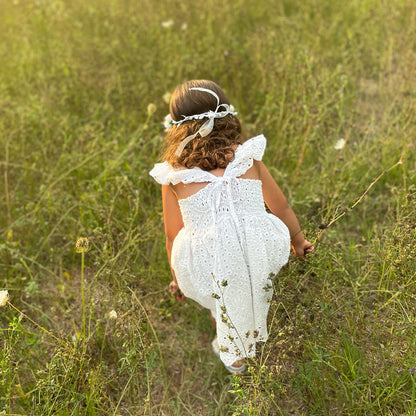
x: 278, y: 205
x: 172, y: 218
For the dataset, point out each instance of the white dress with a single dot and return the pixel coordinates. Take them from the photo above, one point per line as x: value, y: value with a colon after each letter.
x: 228, y: 247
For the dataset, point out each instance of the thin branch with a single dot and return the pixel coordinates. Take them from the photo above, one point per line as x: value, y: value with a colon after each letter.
x: 335, y: 218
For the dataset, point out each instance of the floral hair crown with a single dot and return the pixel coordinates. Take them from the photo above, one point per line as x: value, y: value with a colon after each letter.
x: 221, y: 111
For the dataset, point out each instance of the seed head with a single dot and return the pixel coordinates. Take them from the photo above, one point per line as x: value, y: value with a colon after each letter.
x: 82, y: 245
x: 166, y: 97
x: 4, y: 297
x: 112, y: 314
x: 151, y: 108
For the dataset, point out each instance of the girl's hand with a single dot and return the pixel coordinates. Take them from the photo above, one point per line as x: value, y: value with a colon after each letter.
x: 175, y: 292
x: 302, y: 248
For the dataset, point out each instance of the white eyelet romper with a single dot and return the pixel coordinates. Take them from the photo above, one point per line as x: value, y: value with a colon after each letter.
x: 228, y: 247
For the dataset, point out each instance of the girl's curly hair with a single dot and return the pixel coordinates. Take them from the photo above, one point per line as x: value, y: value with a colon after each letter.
x: 213, y: 151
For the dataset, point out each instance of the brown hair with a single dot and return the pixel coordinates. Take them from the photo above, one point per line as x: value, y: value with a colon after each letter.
x: 213, y: 151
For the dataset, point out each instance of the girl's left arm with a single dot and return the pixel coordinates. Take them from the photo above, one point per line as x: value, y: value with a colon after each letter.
x: 172, y: 218
x: 278, y: 205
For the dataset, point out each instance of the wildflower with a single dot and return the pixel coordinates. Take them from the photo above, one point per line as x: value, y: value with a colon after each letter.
x: 167, y: 122
x: 168, y: 23
x: 82, y: 245
x: 412, y: 370
x: 166, y: 97
x: 4, y: 297
x: 224, y: 283
x: 339, y: 145
x: 151, y: 108
x: 112, y: 314
x: 184, y: 26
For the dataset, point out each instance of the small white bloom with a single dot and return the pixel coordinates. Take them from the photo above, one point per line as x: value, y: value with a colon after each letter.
x: 166, y: 97
x: 339, y: 145
x: 167, y: 23
x: 184, y: 26
x: 4, y: 297
x: 112, y: 314
x: 167, y: 122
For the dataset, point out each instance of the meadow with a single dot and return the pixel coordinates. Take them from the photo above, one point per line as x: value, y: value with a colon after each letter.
x: 90, y: 329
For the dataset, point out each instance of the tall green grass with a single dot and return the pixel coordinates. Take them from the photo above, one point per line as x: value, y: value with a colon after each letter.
x: 77, y: 142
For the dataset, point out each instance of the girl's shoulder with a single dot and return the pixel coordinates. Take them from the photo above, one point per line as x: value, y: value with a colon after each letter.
x: 253, y: 149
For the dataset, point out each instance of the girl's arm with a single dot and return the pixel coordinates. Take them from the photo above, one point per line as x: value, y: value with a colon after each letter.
x: 172, y: 218
x: 278, y: 205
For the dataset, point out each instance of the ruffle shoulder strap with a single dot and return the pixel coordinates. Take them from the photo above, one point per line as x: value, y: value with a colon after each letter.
x: 245, y: 154
x: 165, y: 174
x: 162, y: 173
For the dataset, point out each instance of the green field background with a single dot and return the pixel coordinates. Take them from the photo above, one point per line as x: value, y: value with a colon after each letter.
x: 77, y: 141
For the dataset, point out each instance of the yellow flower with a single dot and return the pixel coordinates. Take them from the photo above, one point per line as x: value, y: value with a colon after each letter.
x: 4, y: 297
x: 82, y: 245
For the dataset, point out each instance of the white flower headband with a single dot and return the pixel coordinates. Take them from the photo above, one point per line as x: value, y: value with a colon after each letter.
x: 208, y: 126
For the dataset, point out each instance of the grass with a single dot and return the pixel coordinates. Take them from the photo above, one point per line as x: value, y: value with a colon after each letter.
x: 77, y: 143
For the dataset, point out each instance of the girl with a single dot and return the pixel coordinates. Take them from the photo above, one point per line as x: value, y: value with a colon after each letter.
x: 222, y: 244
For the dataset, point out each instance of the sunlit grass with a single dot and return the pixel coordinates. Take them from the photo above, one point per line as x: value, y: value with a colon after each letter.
x: 78, y: 135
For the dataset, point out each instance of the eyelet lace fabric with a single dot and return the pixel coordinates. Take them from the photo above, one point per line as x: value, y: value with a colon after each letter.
x: 227, y: 249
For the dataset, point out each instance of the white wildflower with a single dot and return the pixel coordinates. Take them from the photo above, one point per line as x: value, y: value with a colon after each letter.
x: 112, y: 314
x: 168, y: 23
x: 4, y: 297
x: 339, y: 145
x: 167, y: 122
x: 184, y: 26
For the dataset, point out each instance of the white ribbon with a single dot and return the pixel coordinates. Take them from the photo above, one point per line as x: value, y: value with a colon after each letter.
x: 208, y: 126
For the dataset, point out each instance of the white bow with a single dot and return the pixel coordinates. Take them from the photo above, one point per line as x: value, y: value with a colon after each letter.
x: 208, y: 126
